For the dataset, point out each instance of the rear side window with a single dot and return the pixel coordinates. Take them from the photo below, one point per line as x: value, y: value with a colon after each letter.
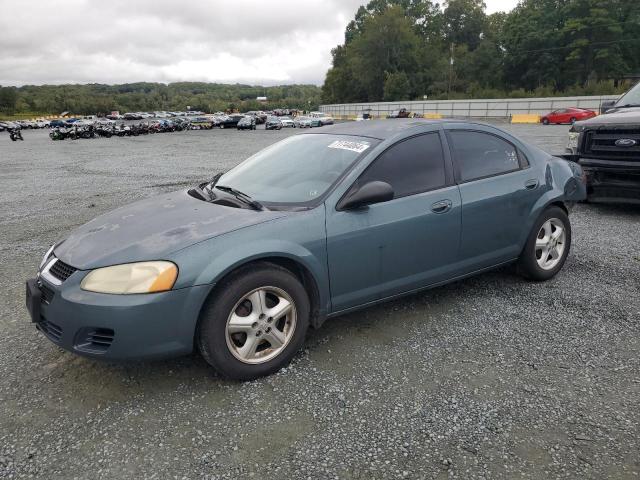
x: 411, y: 166
x: 479, y: 154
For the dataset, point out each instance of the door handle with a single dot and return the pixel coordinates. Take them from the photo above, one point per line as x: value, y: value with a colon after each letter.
x: 531, y: 184
x: 442, y: 206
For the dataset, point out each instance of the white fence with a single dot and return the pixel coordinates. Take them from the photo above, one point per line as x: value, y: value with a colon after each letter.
x: 489, y: 108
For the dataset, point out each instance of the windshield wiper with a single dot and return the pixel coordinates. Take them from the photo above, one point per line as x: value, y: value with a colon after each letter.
x: 243, y: 197
x: 627, y: 105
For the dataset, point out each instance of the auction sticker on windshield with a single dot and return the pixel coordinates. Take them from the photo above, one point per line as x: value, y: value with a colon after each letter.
x: 357, y: 147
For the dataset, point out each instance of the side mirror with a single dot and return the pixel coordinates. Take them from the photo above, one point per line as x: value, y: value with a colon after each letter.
x: 606, y: 105
x: 367, y: 194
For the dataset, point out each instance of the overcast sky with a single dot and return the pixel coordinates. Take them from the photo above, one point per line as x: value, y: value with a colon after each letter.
x: 117, y: 41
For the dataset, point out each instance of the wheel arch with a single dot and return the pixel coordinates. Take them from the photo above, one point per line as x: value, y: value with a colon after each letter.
x: 298, y: 268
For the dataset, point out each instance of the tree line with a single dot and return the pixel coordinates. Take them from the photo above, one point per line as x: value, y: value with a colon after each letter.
x: 408, y: 49
x: 95, y: 98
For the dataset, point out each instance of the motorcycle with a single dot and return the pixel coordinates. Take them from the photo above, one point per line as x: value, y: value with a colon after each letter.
x: 15, y: 134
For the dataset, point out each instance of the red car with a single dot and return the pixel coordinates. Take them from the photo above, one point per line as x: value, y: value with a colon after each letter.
x: 567, y: 115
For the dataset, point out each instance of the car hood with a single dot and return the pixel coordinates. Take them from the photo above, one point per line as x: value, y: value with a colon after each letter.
x: 152, y: 228
x: 615, y: 116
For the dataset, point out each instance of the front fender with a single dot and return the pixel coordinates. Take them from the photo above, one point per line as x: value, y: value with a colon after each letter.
x: 299, y: 237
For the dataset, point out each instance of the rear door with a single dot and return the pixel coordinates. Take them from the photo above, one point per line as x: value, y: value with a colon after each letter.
x: 402, y: 244
x: 498, y: 190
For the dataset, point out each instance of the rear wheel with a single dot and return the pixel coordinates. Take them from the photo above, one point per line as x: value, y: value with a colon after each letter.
x: 255, y: 323
x: 573, y: 120
x: 548, y: 245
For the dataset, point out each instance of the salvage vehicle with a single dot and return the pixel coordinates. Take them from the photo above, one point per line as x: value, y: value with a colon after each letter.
x: 400, y: 113
x: 230, y: 121
x: 608, y: 149
x: 319, y: 224
x: 247, y: 123
x: 320, y: 119
x: 302, y: 122
x: 567, y: 115
x: 273, y: 123
x: 287, y: 122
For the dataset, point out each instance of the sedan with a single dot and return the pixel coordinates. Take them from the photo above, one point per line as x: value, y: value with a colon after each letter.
x: 287, y: 122
x: 273, y: 123
x: 247, y: 123
x: 567, y: 115
x: 230, y: 121
x: 312, y: 227
x: 302, y: 122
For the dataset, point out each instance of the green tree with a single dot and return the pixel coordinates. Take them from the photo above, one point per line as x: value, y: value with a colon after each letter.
x: 396, y: 86
x: 8, y: 99
x: 386, y: 44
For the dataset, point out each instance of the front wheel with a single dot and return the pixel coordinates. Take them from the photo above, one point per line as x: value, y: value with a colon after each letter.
x: 547, y: 247
x: 545, y: 121
x: 573, y: 120
x: 255, y: 323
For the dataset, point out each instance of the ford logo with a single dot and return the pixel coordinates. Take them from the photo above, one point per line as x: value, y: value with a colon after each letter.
x: 626, y: 142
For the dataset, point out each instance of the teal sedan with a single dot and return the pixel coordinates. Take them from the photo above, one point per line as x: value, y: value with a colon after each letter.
x: 322, y: 223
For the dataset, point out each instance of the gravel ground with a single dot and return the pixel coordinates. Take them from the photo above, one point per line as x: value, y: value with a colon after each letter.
x: 491, y: 377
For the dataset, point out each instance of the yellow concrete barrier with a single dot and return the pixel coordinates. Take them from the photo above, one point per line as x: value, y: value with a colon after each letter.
x: 525, y: 118
x: 432, y: 115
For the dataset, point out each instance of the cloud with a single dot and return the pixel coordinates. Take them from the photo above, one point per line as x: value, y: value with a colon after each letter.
x: 117, y: 41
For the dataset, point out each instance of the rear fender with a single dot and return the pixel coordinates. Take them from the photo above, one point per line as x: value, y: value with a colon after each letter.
x: 564, y: 185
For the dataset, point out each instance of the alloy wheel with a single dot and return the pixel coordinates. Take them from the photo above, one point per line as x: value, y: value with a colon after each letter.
x: 261, y: 325
x: 550, y: 244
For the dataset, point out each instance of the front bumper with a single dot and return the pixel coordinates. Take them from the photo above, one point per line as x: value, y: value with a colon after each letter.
x: 617, y: 181
x: 118, y: 327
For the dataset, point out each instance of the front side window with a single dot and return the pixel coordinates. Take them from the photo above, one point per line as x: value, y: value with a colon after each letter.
x: 410, y: 166
x: 632, y: 97
x: 297, y: 170
x: 479, y: 154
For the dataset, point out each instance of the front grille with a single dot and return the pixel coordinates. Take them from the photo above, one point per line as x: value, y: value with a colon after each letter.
x: 46, y: 294
x: 94, y: 340
x: 602, y: 144
x: 61, y: 270
x: 51, y: 330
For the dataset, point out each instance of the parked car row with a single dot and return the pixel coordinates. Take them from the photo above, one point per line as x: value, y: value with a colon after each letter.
x: 109, y: 128
x: 24, y: 124
x: 147, y: 115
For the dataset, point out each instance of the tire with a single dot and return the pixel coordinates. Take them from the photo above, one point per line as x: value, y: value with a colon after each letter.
x: 573, y: 120
x: 545, y: 121
x: 529, y: 263
x: 223, y: 350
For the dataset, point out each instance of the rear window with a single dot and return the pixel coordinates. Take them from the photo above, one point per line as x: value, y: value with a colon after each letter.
x: 479, y: 154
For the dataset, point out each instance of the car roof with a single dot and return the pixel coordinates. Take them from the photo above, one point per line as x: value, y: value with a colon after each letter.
x: 383, y: 129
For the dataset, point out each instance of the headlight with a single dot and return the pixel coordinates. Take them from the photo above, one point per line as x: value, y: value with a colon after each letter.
x: 141, y: 277
x: 46, y: 257
x: 573, y: 140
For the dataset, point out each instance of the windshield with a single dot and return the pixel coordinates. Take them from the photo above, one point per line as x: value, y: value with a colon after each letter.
x: 632, y: 97
x: 298, y: 169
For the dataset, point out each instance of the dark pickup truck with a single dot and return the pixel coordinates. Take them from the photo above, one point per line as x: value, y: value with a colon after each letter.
x: 608, y: 149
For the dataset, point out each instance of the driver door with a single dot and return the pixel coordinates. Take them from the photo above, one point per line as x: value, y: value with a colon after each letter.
x: 403, y: 244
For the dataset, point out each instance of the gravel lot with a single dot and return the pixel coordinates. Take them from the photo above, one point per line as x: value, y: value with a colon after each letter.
x: 491, y: 377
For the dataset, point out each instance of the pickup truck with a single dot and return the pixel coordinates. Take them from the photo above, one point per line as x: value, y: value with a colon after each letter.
x: 608, y: 149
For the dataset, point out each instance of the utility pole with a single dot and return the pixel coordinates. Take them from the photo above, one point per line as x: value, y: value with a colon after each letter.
x: 450, y: 72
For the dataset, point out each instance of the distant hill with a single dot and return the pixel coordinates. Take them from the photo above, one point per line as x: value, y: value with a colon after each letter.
x: 99, y: 98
